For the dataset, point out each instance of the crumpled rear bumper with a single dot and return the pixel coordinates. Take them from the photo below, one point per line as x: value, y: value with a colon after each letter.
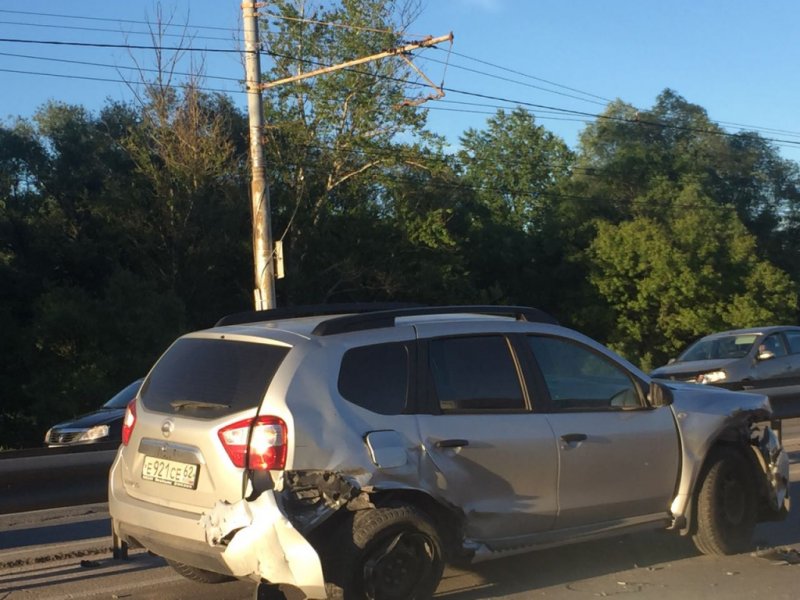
x: 249, y: 540
x: 261, y: 543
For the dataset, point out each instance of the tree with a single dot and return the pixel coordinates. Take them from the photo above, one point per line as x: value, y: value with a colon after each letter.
x: 333, y: 139
x: 689, y: 268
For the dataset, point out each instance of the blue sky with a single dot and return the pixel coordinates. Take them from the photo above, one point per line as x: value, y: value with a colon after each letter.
x: 738, y: 59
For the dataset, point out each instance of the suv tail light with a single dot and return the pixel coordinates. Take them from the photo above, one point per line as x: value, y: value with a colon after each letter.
x: 128, y: 422
x: 267, y: 443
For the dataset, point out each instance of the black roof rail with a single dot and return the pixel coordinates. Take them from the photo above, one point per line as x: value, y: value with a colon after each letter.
x: 294, y: 312
x: 377, y: 320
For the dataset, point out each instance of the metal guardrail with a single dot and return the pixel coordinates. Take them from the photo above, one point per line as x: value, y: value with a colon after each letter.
x: 54, y: 477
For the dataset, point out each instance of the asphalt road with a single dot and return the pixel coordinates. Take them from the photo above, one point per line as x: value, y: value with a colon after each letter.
x: 65, y: 554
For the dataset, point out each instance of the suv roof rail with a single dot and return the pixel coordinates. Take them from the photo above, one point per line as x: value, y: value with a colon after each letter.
x: 386, y: 318
x: 294, y: 312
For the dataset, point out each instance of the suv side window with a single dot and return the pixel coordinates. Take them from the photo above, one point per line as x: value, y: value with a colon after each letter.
x: 580, y: 379
x: 474, y: 373
x: 376, y: 377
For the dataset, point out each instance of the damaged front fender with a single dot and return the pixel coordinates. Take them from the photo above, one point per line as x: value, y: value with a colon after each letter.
x: 260, y: 543
x: 775, y: 463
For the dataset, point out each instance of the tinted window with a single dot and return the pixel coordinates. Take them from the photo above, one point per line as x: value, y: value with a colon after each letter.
x: 794, y: 341
x: 476, y: 373
x: 773, y: 343
x: 231, y: 375
x: 579, y: 379
x: 376, y: 377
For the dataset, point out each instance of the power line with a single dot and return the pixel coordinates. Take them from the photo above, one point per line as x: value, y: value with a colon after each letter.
x: 514, y: 71
x: 109, y: 80
x: 108, y: 20
x: 508, y: 79
x: 118, y: 67
x: 105, y: 30
x: 524, y: 103
x: 125, y: 46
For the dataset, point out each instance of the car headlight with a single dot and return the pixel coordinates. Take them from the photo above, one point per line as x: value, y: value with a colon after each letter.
x: 93, y: 433
x: 711, y: 377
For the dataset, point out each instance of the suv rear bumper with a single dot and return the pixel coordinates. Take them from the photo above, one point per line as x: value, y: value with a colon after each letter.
x: 249, y: 540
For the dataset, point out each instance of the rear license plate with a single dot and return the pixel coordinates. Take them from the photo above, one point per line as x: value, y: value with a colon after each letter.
x: 170, y: 472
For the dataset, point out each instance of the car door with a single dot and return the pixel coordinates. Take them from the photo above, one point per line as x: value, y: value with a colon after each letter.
x: 793, y: 340
x: 492, y: 457
x: 618, y: 457
x: 775, y: 371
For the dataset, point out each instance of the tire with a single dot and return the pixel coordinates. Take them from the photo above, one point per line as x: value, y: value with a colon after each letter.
x: 726, y: 504
x: 198, y: 575
x: 388, y: 553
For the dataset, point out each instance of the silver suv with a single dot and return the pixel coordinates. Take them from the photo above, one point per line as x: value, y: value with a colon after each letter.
x: 352, y: 455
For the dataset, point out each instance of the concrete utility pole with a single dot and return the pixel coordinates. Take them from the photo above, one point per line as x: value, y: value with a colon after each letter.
x: 263, y: 251
x: 264, y: 291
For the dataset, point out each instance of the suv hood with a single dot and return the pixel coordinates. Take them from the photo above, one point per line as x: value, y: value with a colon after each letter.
x: 692, y: 400
x: 693, y: 367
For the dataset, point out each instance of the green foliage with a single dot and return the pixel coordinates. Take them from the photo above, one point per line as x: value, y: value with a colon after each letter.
x: 121, y: 230
x: 680, y: 276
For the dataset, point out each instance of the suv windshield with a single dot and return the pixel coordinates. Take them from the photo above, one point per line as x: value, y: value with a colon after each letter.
x: 211, y: 377
x: 729, y: 346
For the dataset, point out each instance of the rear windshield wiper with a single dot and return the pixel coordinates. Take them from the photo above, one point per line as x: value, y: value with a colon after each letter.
x: 181, y: 404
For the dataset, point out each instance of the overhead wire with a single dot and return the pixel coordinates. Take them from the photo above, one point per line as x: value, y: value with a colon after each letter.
x: 333, y: 24
x: 516, y: 102
x: 61, y: 27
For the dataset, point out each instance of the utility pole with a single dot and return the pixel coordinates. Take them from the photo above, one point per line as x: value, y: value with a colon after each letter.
x: 263, y: 245
x: 264, y: 292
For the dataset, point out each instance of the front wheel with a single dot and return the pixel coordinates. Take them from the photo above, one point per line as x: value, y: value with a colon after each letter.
x: 388, y: 553
x: 726, y: 504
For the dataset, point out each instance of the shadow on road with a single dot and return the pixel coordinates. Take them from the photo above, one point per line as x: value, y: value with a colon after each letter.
x: 568, y: 565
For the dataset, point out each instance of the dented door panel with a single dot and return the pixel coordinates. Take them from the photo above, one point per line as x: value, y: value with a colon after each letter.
x: 503, y: 478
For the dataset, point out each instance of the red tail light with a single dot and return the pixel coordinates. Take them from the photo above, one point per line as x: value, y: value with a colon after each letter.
x: 128, y: 422
x: 267, y: 448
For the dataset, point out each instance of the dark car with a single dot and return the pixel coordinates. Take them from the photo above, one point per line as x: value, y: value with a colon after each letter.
x: 741, y: 359
x: 102, y: 425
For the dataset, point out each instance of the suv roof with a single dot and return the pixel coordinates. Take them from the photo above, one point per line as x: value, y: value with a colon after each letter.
x: 334, y: 319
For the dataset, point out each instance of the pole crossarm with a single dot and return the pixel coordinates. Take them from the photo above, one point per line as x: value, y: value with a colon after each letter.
x: 401, y: 51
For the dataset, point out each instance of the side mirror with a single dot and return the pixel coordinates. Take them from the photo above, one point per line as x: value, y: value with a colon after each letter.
x: 671, y: 360
x: 765, y: 355
x: 660, y: 395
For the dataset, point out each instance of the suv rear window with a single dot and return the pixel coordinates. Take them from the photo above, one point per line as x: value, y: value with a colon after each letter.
x: 225, y: 376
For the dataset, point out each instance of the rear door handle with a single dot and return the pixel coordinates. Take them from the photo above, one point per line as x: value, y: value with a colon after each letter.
x: 573, y: 438
x: 451, y: 443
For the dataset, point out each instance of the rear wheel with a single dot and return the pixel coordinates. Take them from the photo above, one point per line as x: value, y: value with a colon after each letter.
x: 726, y: 504
x: 389, y: 553
x: 199, y: 575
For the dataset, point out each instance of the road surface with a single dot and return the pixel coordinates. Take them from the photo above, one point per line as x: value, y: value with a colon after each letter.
x: 65, y: 554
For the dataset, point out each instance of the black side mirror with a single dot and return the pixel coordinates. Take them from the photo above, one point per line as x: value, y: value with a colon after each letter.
x: 660, y: 395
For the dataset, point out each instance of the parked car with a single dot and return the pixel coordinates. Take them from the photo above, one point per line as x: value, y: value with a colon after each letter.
x: 101, y: 425
x: 742, y: 359
x: 352, y: 455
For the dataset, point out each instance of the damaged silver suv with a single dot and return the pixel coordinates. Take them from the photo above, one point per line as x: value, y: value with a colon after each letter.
x: 352, y: 455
